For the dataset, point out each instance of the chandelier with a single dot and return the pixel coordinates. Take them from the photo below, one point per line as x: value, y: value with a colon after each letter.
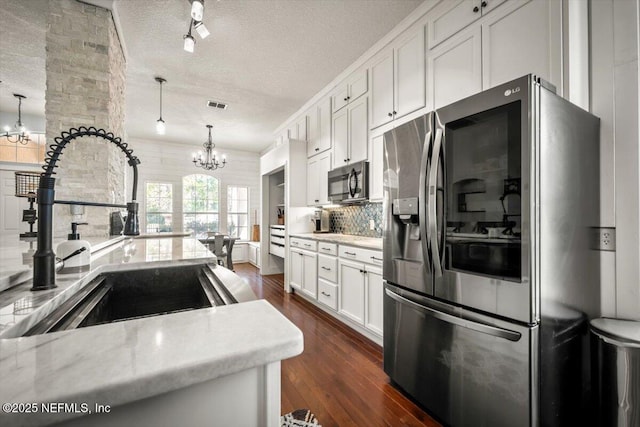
x: 209, y: 160
x: 20, y: 133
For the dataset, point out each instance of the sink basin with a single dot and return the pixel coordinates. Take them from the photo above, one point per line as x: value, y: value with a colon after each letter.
x: 124, y: 295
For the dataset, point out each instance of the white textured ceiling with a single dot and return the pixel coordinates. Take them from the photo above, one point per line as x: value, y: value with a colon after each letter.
x: 265, y: 58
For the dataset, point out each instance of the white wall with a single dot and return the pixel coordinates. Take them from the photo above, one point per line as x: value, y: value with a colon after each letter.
x: 614, y: 88
x: 170, y: 162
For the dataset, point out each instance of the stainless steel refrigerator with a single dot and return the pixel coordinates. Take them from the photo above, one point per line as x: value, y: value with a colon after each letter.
x: 490, y: 276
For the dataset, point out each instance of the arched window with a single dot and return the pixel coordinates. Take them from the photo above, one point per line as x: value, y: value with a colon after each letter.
x: 200, y: 204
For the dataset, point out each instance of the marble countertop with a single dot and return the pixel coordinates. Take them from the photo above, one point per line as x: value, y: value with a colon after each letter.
x: 121, y: 362
x: 343, y: 239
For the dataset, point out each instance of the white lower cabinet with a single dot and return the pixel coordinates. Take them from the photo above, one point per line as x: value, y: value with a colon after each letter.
x: 361, y: 288
x: 328, y: 293
x: 254, y: 253
x: 374, y: 290
x: 304, y: 272
x: 351, y: 302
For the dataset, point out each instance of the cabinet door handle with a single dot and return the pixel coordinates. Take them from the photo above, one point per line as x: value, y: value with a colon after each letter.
x: 390, y: 114
x: 317, y: 149
x: 483, y: 4
x: 350, y: 253
x: 316, y: 200
x: 376, y: 259
x: 345, y: 160
x: 476, y: 9
x: 307, y: 245
x: 348, y: 159
x: 348, y: 98
x: 325, y: 268
x: 344, y: 99
x: 324, y: 249
x: 395, y: 112
x: 325, y: 294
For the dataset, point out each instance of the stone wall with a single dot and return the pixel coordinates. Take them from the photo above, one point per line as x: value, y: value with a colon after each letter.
x: 85, y: 70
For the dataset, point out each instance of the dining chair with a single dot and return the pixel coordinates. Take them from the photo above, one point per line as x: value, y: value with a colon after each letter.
x: 219, y: 249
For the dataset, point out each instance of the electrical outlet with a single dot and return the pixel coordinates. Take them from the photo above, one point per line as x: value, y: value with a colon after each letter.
x: 603, y: 238
x: 372, y: 224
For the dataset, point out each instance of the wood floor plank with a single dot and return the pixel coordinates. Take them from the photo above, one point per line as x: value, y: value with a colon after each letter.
x: 339, y: 376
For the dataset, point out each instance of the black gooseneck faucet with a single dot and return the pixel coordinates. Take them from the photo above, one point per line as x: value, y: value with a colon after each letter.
x: 44, y: 259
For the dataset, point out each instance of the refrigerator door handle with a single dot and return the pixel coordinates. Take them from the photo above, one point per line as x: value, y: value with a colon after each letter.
x: 459, y: 321
x: 431, y: 205
x: 422, y: 199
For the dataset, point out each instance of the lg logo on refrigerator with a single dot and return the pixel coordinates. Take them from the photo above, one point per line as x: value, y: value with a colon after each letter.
x: 512, y: 91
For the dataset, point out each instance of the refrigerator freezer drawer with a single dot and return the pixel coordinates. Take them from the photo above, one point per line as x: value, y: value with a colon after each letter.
x: 468, y: 370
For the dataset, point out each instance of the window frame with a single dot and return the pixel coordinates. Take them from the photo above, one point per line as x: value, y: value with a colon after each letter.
x: 237, y: 213
x: 196, y: 213
x: 148, y: 212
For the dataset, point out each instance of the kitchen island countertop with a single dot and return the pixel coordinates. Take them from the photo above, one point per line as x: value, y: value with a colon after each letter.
x: 123, y: 362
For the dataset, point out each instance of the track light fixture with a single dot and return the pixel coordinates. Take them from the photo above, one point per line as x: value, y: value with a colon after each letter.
x: 195, y: 23
x: 160, y: 125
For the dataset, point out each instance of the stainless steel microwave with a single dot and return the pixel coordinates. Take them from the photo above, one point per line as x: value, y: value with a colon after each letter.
x: 349, y: 184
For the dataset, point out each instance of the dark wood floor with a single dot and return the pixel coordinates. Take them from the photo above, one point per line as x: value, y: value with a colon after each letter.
x: 339, y: 375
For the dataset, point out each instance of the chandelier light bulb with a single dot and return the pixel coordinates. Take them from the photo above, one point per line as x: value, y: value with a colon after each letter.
x: 197, y: 9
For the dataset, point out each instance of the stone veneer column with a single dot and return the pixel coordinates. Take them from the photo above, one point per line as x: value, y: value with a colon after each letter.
x: 85, y: 70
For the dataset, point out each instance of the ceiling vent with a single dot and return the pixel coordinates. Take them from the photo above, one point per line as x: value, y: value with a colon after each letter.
x: 216, y: 104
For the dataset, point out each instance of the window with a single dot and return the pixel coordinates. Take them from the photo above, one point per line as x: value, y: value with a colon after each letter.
x: 159, y: 206
x: 238, y: 212
x: 31, y: 152
x: 200, y: 204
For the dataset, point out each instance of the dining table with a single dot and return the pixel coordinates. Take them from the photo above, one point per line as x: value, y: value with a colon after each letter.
x: 209, y: 241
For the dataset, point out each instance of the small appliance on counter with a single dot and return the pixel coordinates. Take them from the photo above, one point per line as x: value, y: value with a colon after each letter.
x: 75, y: 253
x: 320, y: 221
x: 116, y: 223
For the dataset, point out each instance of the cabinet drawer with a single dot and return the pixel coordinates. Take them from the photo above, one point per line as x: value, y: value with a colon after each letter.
x: 305, y: 244
x: 277, y: 240
x: 277, y: 250
x: 328, y: 268
x: 276, y: 231
x: 368, y: 256
x: 328, y: 248
x: 328, y: 294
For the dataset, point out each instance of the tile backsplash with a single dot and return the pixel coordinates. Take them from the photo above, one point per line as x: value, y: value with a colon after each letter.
x: 355, y: 219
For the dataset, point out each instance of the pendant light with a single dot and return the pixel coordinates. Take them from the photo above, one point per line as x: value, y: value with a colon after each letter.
x: 20, y: 134
x: 160, y: 125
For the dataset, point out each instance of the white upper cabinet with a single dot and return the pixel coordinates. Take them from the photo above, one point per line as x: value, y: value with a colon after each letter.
x: 318, y: 168
x: 398, y: 79
x: 301, y: 125
x: 523, y: 39
x: 451, y: 16
x: 356, y: 86
x: 319, y: 129
x: 350, y: 133
x: 382, y: 90
x: 298, y: 129
x: 454, y: 68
